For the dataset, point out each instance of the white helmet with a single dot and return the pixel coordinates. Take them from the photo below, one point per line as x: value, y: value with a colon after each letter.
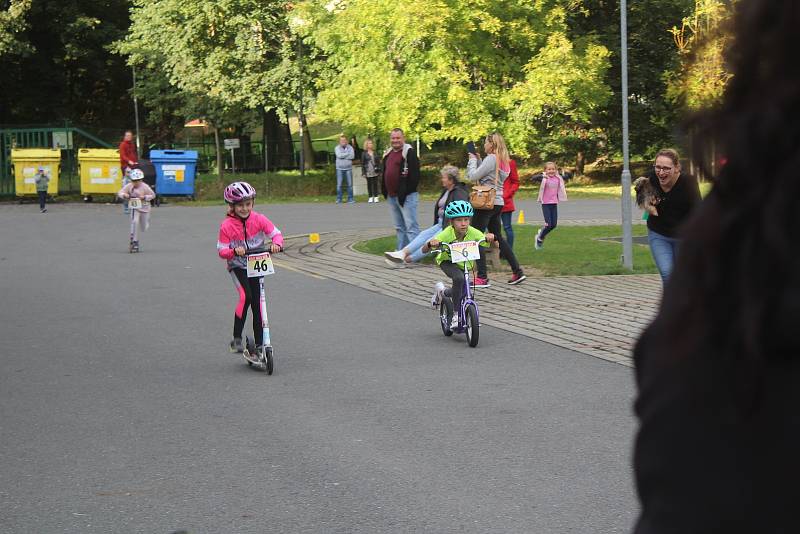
x: 136, y: 174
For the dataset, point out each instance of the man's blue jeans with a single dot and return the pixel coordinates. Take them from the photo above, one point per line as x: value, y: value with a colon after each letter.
x: 664, y: 249
x: 405, y: 219
x: 415, y: 246
x: 341, y: 176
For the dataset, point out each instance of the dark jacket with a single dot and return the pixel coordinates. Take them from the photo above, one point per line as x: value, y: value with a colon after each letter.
x: 409, y: 174
x: 675, y: 206
x: 459, y: 192
x: 719, y: 433
x: 365, y: 158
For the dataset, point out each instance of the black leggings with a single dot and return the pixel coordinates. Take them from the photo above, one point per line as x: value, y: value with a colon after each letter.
x: 372, y: 186
x: 456, y: 274
x: 490, y: 219
x: 249, y: 295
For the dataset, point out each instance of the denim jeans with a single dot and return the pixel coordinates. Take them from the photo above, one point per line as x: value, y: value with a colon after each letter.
x: 341, y: 176
x: 505, y: 218
x: 664, y: 249
x: 405, y: 219
x: 550, y: 213
x: 42, y: 199
x: 415, y: 246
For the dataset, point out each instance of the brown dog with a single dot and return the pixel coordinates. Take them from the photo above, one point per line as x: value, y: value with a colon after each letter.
x: 646, y: 196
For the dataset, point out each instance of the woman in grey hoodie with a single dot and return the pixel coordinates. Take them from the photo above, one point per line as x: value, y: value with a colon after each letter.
x: 493, y: 170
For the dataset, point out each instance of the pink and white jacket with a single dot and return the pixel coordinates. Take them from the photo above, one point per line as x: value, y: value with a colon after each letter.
x: 138, y: 189
x: 562, y: 191
x: 254, y: 232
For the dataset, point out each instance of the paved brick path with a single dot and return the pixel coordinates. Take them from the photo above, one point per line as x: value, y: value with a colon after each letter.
x: 596, y: 315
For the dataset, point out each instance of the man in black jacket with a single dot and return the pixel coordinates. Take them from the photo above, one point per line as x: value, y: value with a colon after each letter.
x: 400, y: 178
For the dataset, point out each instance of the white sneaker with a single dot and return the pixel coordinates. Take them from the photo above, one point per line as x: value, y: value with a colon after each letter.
x: 397, y: 256
x: 370, y: 201
x: 377, y: 199
x: 438, y: 291
x: 538, y: 243
x: 454, y: 322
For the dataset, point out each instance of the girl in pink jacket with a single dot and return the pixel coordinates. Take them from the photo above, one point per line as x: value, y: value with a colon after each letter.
x: 551, y: 192
x: 242, y: 230
x: 138, y: 195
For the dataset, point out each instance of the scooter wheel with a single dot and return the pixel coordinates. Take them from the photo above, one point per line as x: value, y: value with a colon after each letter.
x: 269, y: 361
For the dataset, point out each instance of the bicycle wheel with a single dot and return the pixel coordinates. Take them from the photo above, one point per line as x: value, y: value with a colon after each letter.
x: 269, y: 361
x: 473, y: 329
x: 445, y: 314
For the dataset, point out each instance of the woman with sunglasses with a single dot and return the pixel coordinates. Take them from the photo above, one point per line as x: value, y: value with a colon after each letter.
x: 675, y: 196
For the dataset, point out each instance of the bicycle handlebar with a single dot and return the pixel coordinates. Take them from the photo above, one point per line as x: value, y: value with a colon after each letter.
x: 259, y: 250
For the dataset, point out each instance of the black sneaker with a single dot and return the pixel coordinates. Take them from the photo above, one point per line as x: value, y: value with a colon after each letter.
x: 236, y: 345
x: 517, y: 278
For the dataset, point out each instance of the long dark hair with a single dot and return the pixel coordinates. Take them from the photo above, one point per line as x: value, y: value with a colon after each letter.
x: 727, y: 296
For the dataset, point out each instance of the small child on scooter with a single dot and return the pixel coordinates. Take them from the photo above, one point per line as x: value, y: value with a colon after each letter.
x: 140, y: 217
x: 459, y: 213
x: 241, y: 230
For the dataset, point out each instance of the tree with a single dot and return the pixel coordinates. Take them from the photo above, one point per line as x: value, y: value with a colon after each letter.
x: 12, y: 24
x: 222, y: 56
x: 651, y: 52
x: 702, y: 77
x: 62, y: 68
x: 455, y: 70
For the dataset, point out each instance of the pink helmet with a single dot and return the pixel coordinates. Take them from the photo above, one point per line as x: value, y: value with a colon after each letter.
x: 239, y: 191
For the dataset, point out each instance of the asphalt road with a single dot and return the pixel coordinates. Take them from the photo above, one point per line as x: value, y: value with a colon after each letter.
x: 121, y: 409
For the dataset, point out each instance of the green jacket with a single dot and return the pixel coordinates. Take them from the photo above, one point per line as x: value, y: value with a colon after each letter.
x: 448, y: 235
x: 42, y: 181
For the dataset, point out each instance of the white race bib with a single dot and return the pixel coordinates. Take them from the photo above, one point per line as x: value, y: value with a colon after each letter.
x: 464, y: 251
x: 259, y: 265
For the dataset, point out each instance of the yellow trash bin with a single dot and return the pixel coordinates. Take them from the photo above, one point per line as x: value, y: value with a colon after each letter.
x: 26, y: 162
x: 100, y: 171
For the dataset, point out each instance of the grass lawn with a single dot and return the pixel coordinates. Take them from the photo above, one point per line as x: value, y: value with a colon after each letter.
x: 568, y: 251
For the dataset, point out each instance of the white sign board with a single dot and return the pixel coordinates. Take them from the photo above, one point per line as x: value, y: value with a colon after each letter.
x: 62, y: 139
x: 231, y: 144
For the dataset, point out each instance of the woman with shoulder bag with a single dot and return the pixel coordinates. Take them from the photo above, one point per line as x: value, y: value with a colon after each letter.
x: 487, y: 199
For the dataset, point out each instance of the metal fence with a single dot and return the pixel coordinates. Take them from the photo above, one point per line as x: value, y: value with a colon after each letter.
x: 67, y: 138
x: 249, y: 157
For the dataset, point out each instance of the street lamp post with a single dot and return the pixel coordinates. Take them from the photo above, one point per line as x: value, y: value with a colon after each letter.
x: 136, y: 112
x: 300, y: 113
x: 627, y: 230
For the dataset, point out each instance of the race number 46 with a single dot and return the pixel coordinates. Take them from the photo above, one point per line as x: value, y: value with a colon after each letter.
x: 464, y: 251
x: 259, y: 265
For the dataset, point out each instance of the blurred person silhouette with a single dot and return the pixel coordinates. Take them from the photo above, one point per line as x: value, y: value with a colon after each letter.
x: 718, y: 369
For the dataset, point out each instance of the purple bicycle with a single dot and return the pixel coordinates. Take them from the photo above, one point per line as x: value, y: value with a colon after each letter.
x: 468, y: 316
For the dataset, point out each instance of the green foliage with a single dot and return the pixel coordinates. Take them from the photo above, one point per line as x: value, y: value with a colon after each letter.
x: 702, y: 78
x: 456, y: 70
x: 653, y: 118
x: 12, y: 24
x: 55, y: 62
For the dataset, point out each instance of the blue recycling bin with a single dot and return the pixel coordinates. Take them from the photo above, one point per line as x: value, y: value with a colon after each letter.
x: 175, y: 172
